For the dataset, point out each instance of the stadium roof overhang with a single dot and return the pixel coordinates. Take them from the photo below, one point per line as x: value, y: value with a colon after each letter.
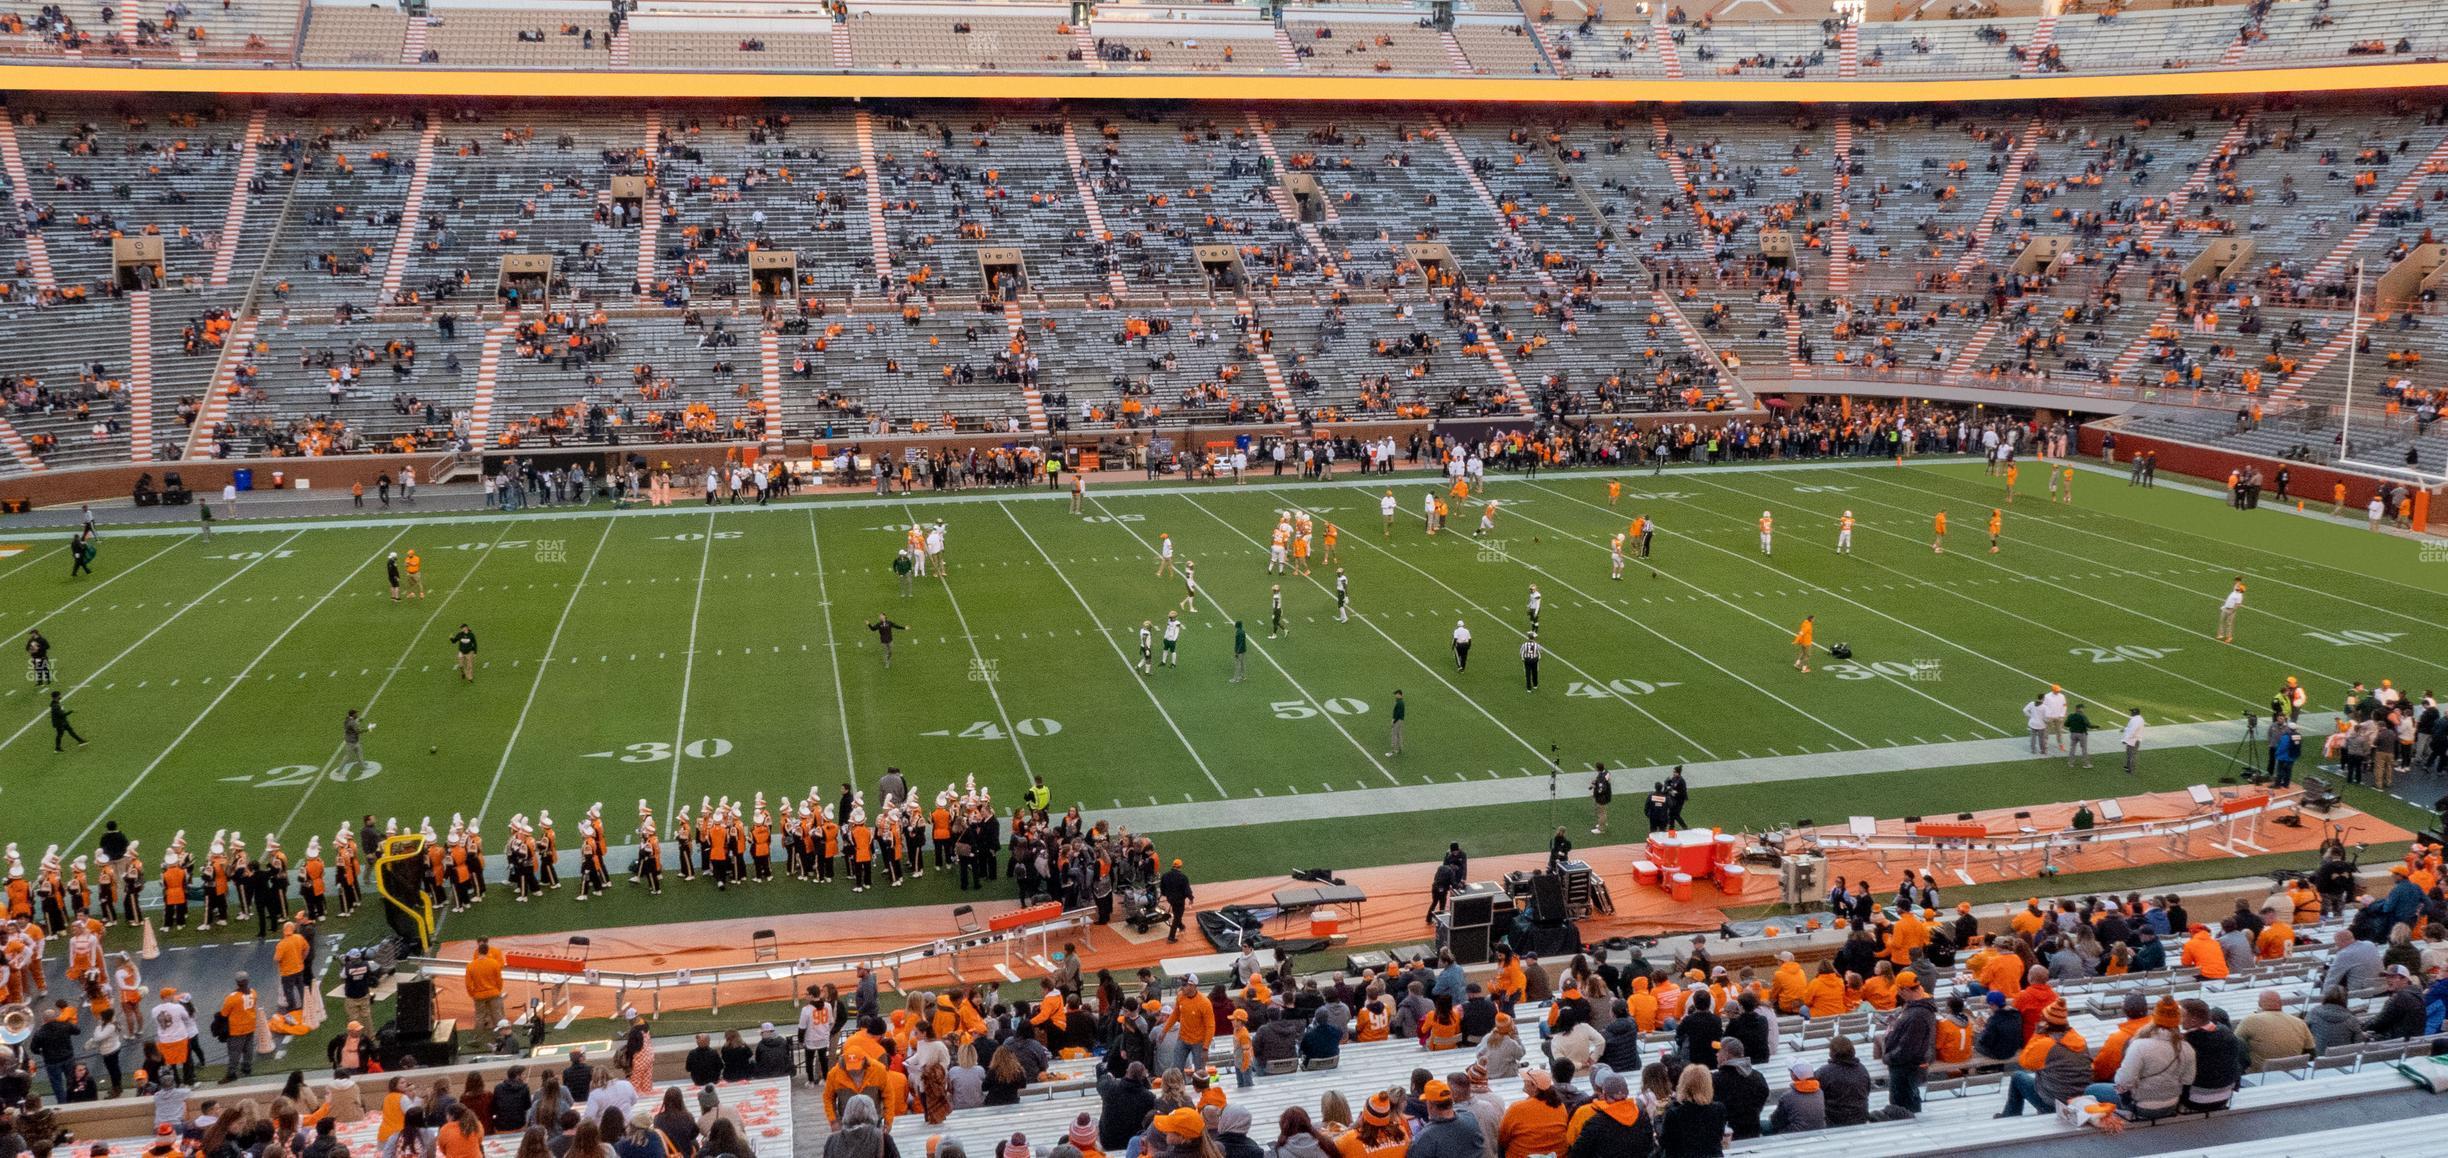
x: 634, y: 85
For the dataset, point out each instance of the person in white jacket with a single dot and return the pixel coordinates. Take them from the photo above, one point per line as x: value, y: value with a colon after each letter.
x: 816, y: 1036
x: 1501, y: 1052
x: 2158, y: 1065
x: 2053, y: 716
x: 1579, y: 1045
x: 609, y: 1092
x: 107, y: 1042
x: 2132, y: 738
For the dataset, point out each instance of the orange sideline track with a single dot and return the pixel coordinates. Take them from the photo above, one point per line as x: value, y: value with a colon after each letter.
x: 1398, y: 898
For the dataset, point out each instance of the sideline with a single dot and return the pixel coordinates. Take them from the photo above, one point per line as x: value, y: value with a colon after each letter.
x: 1477, y: 791
x: 864, y: 498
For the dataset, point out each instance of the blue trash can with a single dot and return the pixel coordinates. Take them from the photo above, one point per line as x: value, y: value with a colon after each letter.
x: 243, y: 478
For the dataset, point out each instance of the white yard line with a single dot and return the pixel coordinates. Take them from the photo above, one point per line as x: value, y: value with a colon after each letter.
x: 543, y: 666
x: 2209, y: 601
x: 34, y: 556
x: 147, y: 636
x: 688, y: 671
x: 1116, y: 645
x: 1729, y: 604
x: 1987, y: 561
x: 1550, y: 652
x: 2207, y: 597
x: 1822, y: 769
x: 366, y: 710
x: 992, y: 691
x: 2312, y: 512
x: 1407, y: 653
x: 1678, y: 645
x: 85, y: 593
x: 1314, y: 703
x: 234, y: 681
x: 824, y: 611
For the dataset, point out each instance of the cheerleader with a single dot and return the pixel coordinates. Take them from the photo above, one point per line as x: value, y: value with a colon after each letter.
x: 127, y: 984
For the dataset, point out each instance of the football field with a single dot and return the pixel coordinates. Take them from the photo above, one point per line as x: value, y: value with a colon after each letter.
x: 672, y: 656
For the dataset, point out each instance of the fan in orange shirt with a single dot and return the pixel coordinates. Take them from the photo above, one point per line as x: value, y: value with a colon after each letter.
x: 1802, y: 643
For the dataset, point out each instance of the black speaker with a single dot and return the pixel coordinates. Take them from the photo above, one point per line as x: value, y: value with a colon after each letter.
x: 1547, y: 941
x: 414, y: 1015
x: 1467, y: 943
x: 1547, y: 900
x: 429, y: 1053
x: 1474, y: 910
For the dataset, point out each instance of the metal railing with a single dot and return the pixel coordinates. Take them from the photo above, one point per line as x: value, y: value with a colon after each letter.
x: 654, y: 983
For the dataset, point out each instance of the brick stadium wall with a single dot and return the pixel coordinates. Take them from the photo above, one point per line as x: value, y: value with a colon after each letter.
x: 2310, y: 482
x: 208, y: 476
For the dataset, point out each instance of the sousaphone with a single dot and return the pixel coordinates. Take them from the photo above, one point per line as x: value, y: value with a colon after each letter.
x: 16, y: 1024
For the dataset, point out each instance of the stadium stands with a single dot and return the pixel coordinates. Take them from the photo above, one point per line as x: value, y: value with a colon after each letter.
x: 1483, y: 38
x: 979, y: 268
x: 1954, y: 1101
x: 1596, y: 262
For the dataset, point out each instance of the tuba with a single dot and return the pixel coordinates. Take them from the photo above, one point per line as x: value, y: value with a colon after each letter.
x: 16, y: 1024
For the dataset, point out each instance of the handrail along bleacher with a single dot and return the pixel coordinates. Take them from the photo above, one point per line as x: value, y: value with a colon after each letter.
x: 548, y: 972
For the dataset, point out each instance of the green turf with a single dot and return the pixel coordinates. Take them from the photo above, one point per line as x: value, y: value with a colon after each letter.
x: 1415, y: 837
x: 700, y: 653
